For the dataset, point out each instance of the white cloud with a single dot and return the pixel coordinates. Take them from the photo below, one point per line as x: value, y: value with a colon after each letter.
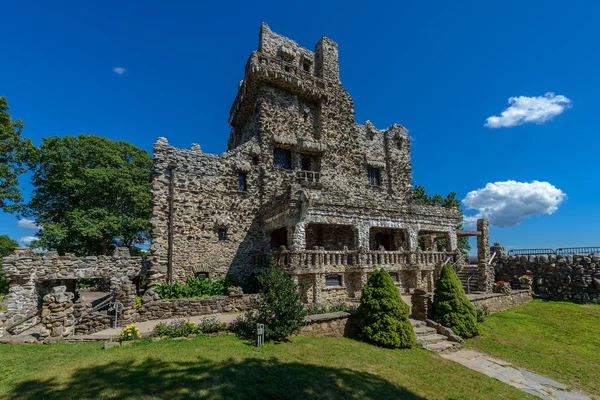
x: 119, y: 70
x: 509, y: 203
x: 25, y: 240
x: 523, y: 110
x: 27, y: 224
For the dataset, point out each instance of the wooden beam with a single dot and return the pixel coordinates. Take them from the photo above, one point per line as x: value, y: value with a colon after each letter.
x: 462, y: 233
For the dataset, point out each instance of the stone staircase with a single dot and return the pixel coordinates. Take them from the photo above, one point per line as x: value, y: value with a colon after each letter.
x: 465, y: 273
x: 429, y: 338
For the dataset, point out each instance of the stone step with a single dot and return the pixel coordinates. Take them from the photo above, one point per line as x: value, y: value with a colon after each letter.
x: 417, y: 323
x: 442, y: 346
x: 430, y: 339
x: 424, y: 331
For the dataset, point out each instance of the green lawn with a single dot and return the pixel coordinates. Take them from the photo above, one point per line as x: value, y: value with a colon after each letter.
x: 559, y: 340
x: 224, y: 367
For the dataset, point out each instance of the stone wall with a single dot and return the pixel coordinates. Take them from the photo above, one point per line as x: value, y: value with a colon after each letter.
x: 57, y: 314
x: 497, y: 302
x: 183, y: 308
x: 572, y: 277
x: 337, y: 324
x: 29, y: 273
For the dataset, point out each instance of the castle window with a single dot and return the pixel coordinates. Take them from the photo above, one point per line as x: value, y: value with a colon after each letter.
x: 222, y: 235
x: 242, y: 184
x: 306, y: 162
x: 374, y: 175
x: 201, y: 275
x: 282, y: 158
x: 254, y: 160
x: 394, y: 276
x: 333, y: 280
x: 306, y: 66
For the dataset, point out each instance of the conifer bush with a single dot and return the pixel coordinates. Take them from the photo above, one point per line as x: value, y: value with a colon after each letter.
x: 279, y: 307
x: 451, y: 307
x: 383, y: 315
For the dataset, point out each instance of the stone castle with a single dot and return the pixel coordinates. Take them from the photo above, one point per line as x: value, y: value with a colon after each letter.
x: 329, y: 198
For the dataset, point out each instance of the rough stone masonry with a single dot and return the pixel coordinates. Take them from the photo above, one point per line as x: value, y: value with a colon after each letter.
x: 301, y: 181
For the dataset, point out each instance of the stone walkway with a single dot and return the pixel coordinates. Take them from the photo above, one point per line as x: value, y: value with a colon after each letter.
x: 519, y: 378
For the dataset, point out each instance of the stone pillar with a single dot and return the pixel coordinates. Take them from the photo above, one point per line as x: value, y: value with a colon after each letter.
x: 413, y: 238
x: 362, y: 232
x: 57, y: 314
x: 297, y: 234
x: 486, y: 272
x: 421, y: 304
x: 451, y: 241
x: 318, y: 285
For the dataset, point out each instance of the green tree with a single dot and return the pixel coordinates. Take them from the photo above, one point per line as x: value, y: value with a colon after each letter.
x: 383, y: 315
x: 451, y: 307
x: 13, y: 151
x: 90, y: 194
x: 279, y: 307
x: 7, y: 246
x: 450, y: 201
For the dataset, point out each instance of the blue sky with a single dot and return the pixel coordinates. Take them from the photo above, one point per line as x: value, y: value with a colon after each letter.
x: 441, y: 69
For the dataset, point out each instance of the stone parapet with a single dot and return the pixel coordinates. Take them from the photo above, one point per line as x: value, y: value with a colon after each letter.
x: 336, y: 324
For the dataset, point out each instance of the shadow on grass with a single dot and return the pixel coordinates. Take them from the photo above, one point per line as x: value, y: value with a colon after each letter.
x: 246, y: 379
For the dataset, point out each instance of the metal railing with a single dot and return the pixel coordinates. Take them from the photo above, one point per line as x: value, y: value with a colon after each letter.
x: 563, y: 251
x: 529, y: 252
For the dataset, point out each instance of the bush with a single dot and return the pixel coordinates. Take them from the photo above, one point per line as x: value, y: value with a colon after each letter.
x: 279, y: 307
x: 183, y: 327
x: 383, y: 315
x: 451, y: 307
x: 130, y: 332
x: 195, y: 287
x: 482, y: 313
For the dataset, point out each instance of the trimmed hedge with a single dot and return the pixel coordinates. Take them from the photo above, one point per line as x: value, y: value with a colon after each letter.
x: 451, y: 307
x: 383, y: 315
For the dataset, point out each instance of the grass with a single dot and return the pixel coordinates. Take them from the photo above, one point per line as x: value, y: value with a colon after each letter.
x: 223, y: 367
x: 557, y: 339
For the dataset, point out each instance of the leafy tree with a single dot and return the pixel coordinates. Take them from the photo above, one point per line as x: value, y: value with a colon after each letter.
x: 7, y: 246
x: 13, y: 151
x: 90, y: 194
x: 279, y: 307
x: 383, y: 315
x: 451, y: 307
x: 422, y: 198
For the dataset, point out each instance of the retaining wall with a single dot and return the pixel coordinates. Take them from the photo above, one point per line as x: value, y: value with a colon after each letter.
x: 572, y: 277
x: 497, y: 302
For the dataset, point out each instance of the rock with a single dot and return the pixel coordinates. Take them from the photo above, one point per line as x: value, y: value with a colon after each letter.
x: 110, y: 345
x: 59, y: 289
x: 52, y: 340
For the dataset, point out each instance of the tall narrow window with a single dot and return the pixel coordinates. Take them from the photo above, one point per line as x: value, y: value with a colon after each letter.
x: 282, y: 158
x: 242, y: 184
x: 374, y: 175
x: 222, y: 235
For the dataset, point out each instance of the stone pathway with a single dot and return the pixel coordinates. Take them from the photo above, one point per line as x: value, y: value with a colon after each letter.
x: 519, y: 378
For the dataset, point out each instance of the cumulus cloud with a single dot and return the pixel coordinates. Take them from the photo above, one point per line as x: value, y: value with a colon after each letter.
x: 25, y: 240
x: 119, y: 70
x: 509, y: 203
x: 523, y: 110
x: 27, y: 224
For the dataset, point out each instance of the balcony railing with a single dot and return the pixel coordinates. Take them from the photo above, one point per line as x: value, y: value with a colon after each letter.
x: 308, y: 176
x: 314, y: 260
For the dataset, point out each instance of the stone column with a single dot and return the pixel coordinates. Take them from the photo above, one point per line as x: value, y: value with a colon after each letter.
x: 413, y: 238
x: 451, y: 241
x: 486, y: 272
x: 362, y: 231
x: 318, y: 285
x: 421, y: 304
x: 297, y: 234
x: 57, y: 314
